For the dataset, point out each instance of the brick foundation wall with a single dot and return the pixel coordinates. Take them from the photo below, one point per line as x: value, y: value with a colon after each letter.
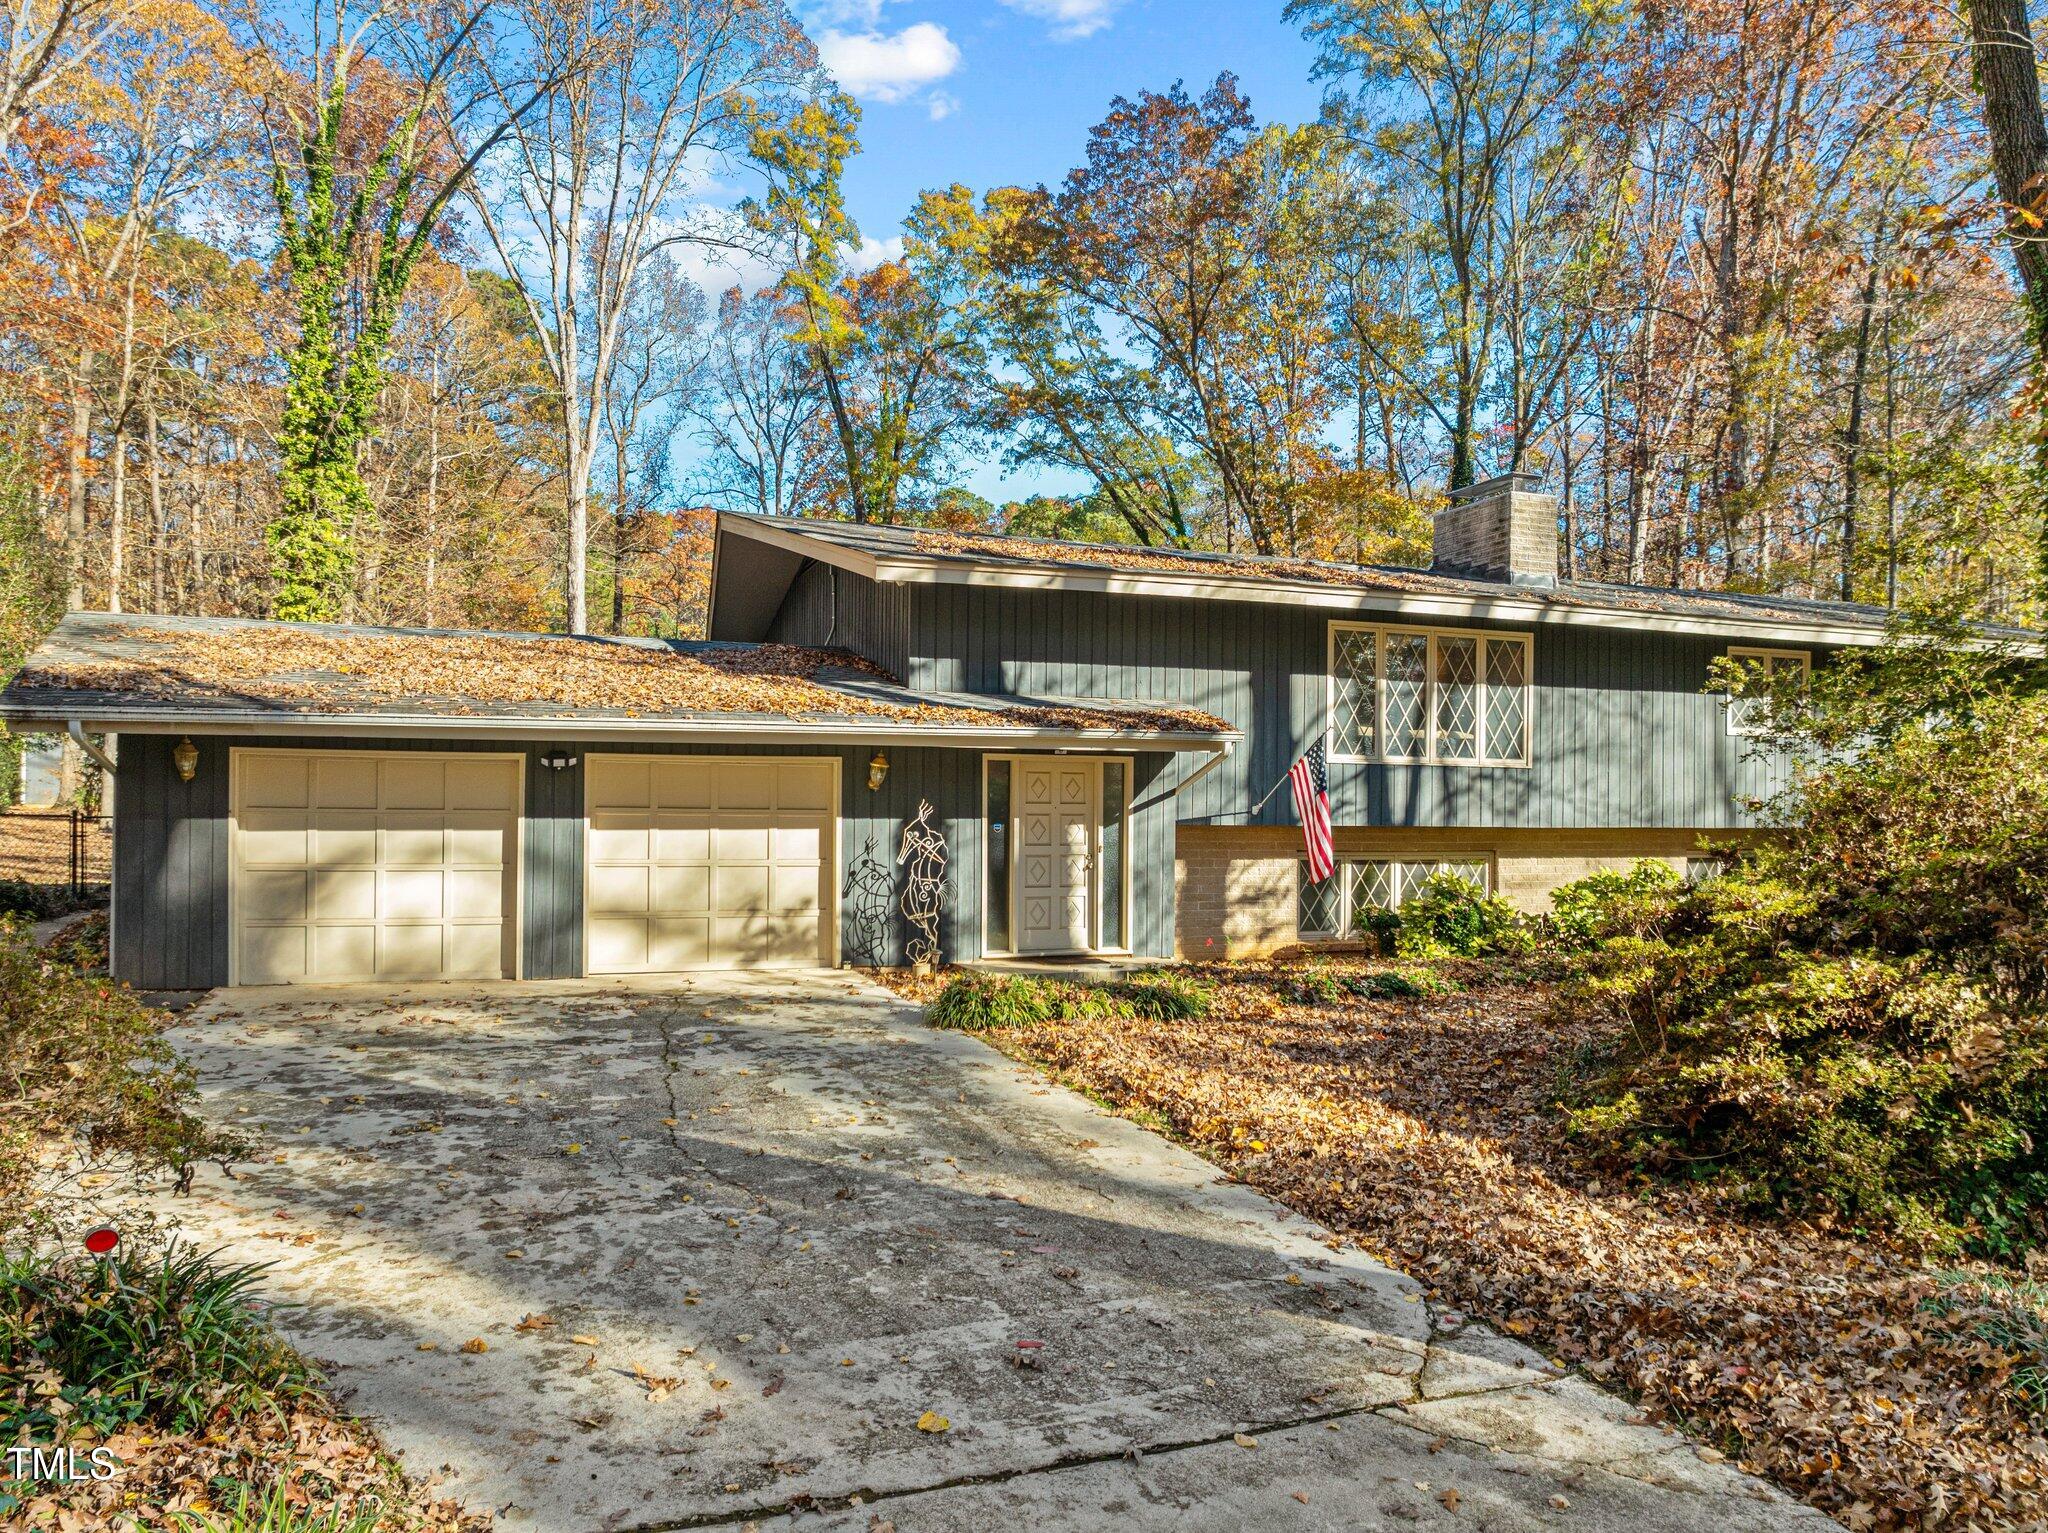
x: 1235, y: 885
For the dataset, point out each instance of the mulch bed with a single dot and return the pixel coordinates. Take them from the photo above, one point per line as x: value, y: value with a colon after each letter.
x: 1426, y: 1130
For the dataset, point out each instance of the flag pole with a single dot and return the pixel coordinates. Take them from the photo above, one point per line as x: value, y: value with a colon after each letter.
x: 1261, y: 804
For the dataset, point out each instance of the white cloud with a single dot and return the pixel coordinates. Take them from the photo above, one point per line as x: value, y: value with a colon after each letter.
x: 941, y: 105
x: 889, y: 66
x: 1070, y: 19
x: 874, y: 252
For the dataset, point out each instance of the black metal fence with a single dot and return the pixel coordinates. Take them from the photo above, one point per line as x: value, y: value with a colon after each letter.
x: 49, y: 846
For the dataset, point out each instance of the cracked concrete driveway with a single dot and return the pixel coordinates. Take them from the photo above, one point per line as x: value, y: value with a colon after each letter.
x: 724, y: 1241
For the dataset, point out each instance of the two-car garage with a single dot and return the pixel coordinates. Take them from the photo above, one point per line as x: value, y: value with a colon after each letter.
x: 405, y: 865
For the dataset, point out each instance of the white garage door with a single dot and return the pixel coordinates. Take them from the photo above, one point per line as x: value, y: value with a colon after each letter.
x: 357, y: 865
x: 700, y: 862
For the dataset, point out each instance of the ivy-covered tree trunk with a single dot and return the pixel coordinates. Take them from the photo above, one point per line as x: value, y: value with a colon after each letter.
x: 331, y: 379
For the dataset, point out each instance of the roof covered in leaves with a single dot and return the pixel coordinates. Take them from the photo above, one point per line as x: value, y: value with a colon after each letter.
x: 901, y: 553
x: 115, y: 671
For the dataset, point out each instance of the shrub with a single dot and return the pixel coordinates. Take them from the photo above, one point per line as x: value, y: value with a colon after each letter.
x: 1611, y: 903
x: 39, y: 902
x: 976, y: 1003
x: 1452, y: 916
x: 81, y: 1057
x: 1382, y: 926
x: 1401, y: 984
x: 1855, y: 1019
x: 1314, y: 985
x: 163, y: 1337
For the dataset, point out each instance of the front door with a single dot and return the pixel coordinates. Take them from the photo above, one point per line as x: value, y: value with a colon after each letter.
x: 1056, y: 815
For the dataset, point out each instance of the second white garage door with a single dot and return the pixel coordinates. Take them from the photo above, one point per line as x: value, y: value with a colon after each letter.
x: 699, y: 862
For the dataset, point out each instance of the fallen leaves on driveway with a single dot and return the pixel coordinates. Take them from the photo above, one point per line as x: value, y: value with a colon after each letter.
x: 1424, y: 1130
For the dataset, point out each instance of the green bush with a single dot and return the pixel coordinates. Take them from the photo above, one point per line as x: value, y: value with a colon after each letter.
x: 165, y: 1338
x: 977, y: 1002
x: 39, y: 902
x: 83, y: 1058
x: 1450, y: 916
x: 1315, y: 985
x: 1401, y: 985
x: 1854, y: 1020
x: 1611, y: 903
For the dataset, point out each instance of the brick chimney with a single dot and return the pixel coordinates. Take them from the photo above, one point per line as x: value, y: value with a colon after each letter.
x: 1499, y: 529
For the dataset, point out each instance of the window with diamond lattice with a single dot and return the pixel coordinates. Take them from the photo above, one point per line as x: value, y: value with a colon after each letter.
x: 1403, y: 694
x: 1746, y: 715
x: 1319, y: 907
x: 1507, y: 681
x: 1355, y: 702
x: 1457, y: 699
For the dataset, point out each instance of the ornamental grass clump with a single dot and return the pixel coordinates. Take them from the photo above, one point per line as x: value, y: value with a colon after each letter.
x: 164, y: 1337
x: 978, y: 1003
x: 1853, y: 1021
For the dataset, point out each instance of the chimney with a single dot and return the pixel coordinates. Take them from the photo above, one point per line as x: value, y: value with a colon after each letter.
x: 1499, y: 529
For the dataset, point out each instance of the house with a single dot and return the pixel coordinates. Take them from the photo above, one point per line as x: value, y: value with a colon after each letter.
x: 1098, y: 734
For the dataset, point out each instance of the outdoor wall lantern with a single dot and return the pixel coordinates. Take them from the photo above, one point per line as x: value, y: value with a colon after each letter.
x: 878, y: 769
x: 557, y: 760
x: 185, y: 757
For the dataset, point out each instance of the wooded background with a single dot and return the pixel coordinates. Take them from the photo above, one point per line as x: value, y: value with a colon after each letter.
x: 381, y: 314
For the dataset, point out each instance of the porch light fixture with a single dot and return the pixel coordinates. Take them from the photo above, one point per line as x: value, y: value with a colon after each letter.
x: 185, y: 757
x: 557, y: 760
x: 878, y: 769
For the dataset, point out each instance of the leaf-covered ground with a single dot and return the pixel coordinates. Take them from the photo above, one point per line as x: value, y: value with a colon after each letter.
x: 1425, y: 1130
x: 324, y: 1461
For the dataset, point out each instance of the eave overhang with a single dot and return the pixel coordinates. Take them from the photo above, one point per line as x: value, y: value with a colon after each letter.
x: 691, y: 729
x: 1058, y: 575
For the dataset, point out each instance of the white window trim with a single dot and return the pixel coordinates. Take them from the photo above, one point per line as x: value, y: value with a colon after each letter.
x: 1346, y: 916
x: 1755, y: 652
x: 1429, y: 757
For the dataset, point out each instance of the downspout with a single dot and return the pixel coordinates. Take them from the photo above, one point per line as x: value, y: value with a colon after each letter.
x: 76, y: 729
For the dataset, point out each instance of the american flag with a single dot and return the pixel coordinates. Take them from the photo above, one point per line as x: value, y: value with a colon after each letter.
x: 1310, y: 780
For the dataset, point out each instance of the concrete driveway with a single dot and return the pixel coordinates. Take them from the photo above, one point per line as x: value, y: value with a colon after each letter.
x: 724, y: 1251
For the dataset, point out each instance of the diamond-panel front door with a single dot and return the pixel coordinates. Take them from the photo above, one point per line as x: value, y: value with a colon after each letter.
x: 1056, y: 814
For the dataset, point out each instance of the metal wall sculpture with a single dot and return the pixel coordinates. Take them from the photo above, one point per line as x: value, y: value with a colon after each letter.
x: 867, y: 900
x: 924, y: 849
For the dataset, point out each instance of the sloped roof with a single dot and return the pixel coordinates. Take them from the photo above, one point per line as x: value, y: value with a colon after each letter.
x: 898, y: 553
x: 118, y: 671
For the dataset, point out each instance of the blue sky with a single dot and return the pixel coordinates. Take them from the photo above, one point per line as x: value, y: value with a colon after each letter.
x: 994, y: 92
x: 1003, y: 92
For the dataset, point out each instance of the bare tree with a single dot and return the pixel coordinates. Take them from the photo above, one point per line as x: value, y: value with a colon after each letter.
x: 600, y: 177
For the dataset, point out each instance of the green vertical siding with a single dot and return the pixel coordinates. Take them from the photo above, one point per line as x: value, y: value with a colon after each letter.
x: 171, y: 917
x: 1622, y: 734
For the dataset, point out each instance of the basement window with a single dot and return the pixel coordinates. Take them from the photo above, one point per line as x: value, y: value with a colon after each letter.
x: 1333, y: 908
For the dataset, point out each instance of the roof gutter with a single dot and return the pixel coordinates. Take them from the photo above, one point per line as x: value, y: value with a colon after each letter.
x: 429, y: 726
x: 76, y: 729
